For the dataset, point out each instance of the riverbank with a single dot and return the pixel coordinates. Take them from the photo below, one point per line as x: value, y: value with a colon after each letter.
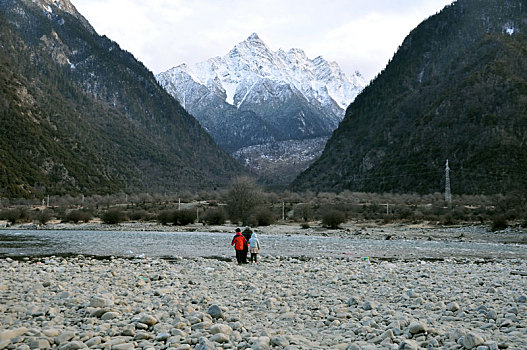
x: 280, y: 303
x: 359, y: 230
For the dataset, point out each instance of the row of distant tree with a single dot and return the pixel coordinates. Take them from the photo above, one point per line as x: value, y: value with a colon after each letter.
x: 244, y: 202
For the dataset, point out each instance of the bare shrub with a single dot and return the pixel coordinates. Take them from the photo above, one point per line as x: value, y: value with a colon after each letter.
x: 44, y: 216
x: 139, y: 215
x: 243, y: 196
x: 78, y: 215
x: 184, y: 217
x: 499, y: 222
x: 13, y: 215
x: 303, y: 212
x: 447, y: 219
x: 113, y: 216
x: 333, y: 218
x: 165, y: 217
x: 214, y: 216
x: 264, y: 217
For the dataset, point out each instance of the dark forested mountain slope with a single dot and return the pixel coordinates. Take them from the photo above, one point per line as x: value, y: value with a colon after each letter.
x: 456, y: 89
x: 80, y: 115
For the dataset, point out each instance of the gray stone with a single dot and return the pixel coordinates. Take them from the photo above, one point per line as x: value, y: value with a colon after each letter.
x: 162, y: 336
x: 292, y: 347
x: 64, y: 337
x: 143, y: 336
x: 183, y: 347
x: 417, y: 327
x: 408, y: 344
x: 99, y: 302
x: 9, y: 334
x: 261, y: 343
x: 178, y: 332
x: 124, y: 346
x: 139, y: 325
x: 472, y: 340
x: 492, y: 314
x: 220, y: 338
x: 93, y: 341
x: 128, y: 332
x: 453, y: 306
x: 201, y: 325
x: 353, y: 347
x: 148, y: 320
x: 456, y: 334
x: 51, y: 332
x: 74, y: 345
x: 220, y: 328
x: 280, y: 341
x: 492, y: 345
x: 205, y: 344
x: 110, y: 315
x: 215, y: 311
x: 368, y: 305
x: 40, y: 343
x: 354, y: 300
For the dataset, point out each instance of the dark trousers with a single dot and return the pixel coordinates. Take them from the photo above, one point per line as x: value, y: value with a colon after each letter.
x: 239, y: 256
x: 244, y: 258
x: 254, y: 257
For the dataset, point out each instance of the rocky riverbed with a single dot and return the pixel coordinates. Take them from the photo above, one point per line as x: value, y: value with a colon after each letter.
x: 279, y: 303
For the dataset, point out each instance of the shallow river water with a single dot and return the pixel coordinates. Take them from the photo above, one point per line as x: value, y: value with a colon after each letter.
x: 22, y: 243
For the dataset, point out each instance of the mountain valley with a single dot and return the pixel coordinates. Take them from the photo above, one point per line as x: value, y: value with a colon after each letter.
x: 256, y: 99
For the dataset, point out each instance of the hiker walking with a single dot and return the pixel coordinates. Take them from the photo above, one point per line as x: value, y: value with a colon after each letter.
x: 254, y: 247
x: 247, y: 233
x: 240, y: 243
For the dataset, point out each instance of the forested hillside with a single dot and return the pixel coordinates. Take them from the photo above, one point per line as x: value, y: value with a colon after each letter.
x: 80, y: 115
x: 456, y: 89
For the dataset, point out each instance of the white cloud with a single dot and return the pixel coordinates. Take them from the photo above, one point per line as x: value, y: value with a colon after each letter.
x: 358, y: 34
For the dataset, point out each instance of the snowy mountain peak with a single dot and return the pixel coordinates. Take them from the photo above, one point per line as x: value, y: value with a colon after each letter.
x: 234, y: 75
x: 253, y: 37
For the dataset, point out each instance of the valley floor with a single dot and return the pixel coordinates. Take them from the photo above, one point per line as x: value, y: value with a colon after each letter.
x: 280, y: 303
x: 359, y: 230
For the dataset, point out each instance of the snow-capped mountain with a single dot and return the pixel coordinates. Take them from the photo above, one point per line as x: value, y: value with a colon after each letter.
x: 254, y: 96
x: 255, y: 81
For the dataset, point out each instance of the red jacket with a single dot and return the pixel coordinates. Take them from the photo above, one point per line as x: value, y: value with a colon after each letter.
x: 239, y: 242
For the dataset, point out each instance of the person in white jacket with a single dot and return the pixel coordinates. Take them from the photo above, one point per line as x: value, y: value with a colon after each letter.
x: 254, y: 247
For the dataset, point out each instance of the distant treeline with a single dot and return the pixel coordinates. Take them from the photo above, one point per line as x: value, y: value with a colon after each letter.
x: 247, y: 204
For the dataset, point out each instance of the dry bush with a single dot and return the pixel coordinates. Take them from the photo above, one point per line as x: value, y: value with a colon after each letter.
x: 333, y: 218
x: 184, y: 217
x: 214, y: 216
x: 263, y: 217
x: 113, y: 216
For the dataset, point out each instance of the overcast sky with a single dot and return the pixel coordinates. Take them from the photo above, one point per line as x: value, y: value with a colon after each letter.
x: 358, y: 34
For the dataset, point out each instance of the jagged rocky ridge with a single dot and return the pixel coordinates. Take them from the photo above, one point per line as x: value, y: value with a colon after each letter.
x: 456, y: 89
x: 80, y: 115
x: 253, y: 96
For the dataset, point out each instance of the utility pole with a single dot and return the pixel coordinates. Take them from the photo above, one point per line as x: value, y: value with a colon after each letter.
x: 448, y: 194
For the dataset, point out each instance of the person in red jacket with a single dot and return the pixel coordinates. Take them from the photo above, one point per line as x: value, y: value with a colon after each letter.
x: 239, y: 242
